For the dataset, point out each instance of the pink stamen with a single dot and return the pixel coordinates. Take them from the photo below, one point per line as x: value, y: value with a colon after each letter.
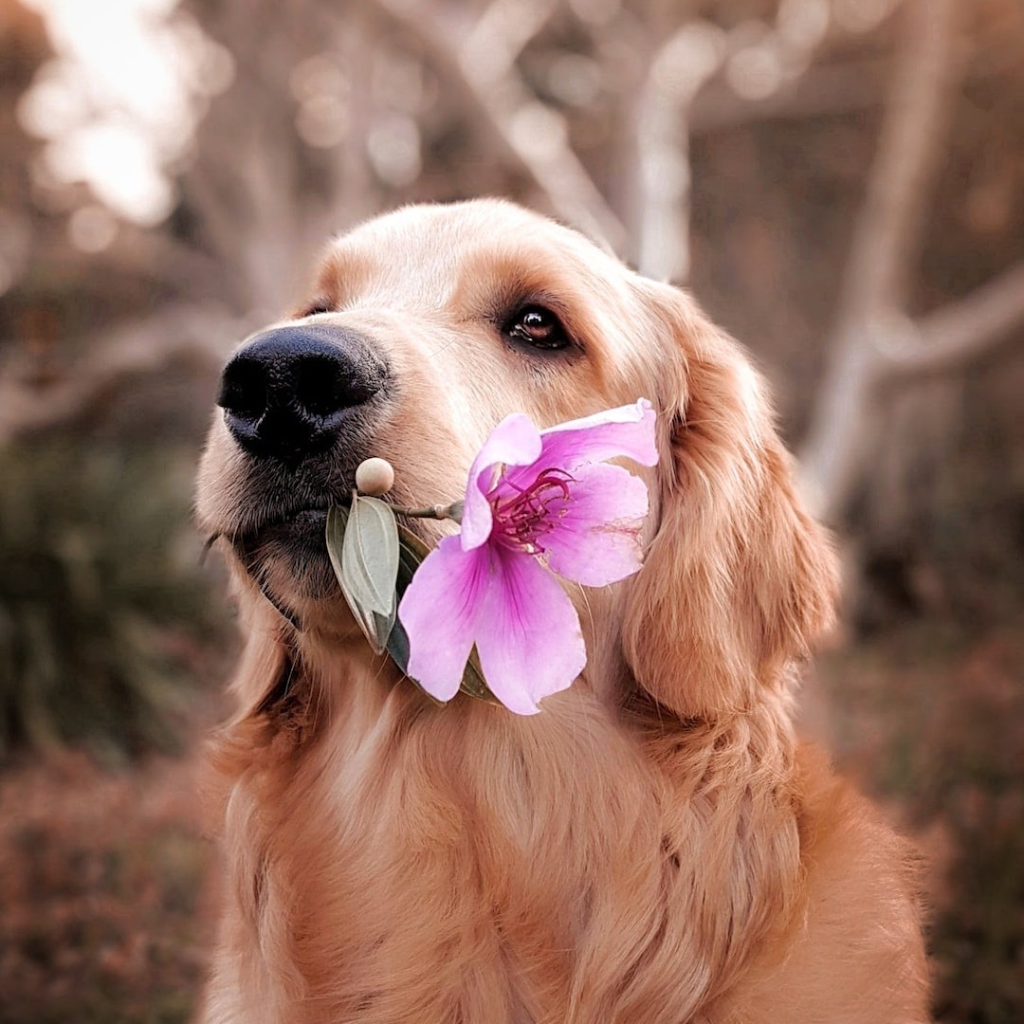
x: 525, y: 516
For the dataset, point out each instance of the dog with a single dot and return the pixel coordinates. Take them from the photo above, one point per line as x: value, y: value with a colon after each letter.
x: 656, y: 846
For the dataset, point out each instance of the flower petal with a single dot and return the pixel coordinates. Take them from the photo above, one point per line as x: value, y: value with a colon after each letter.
x: 440, y: 610
x: 626, y: 431
x: 595, y: 537
x: 515, y: 441
x: 528, y: 635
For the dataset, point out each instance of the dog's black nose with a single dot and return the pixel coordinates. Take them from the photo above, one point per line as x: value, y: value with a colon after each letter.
x: 288, y: 391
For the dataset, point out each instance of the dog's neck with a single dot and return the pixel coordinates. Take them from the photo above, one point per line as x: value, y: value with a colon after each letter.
x: 320, y: 683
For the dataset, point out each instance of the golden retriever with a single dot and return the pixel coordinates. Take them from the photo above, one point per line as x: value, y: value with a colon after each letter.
x: 655, y: 847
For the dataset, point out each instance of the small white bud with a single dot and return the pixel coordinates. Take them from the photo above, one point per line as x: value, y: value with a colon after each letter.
x: 375, y: 476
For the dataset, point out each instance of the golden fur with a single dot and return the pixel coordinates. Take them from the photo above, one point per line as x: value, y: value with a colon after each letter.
x: 656, y: 847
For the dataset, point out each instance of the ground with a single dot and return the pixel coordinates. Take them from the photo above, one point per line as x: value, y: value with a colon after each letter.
x: 105, y: 877
x: 104, y: 888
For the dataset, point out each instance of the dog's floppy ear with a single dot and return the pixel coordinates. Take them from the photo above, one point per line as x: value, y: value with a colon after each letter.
x: 738, y: 580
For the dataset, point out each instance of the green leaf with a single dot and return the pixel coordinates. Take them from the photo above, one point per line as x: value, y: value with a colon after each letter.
x: 337, y: 518
x: 362, y: 544
x: 337, y: 523
x: 413, y: 550
x: 411, y: 553
x: 385, y: 632
x: 370, y: 554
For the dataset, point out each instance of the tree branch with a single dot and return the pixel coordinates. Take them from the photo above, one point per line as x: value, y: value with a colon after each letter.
x: 530, y: 136
x: 956, y: 335
x: 669, y: 104
x: 678, y: 71
x: 913, y: 139
x: 493, y: 45
x: 888, y: 233
x: 200, y: 336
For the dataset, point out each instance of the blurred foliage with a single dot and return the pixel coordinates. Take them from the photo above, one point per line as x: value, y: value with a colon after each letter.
x: 101, y: 880
x: 101, y: 602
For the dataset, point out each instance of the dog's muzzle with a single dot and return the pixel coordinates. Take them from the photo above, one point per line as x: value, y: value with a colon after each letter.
x: 288, y: 393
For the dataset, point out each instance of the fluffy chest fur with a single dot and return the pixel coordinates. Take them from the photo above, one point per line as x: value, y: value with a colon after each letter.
x: 401, y: 862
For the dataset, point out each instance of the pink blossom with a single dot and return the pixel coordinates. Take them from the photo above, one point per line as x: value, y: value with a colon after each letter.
x: 537, y: 503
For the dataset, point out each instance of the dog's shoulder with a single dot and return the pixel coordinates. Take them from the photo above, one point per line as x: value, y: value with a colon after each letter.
x: 854, y: 944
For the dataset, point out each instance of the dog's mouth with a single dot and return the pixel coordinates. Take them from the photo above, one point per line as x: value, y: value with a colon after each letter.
x: 287, y: 555
x: 299, y: 527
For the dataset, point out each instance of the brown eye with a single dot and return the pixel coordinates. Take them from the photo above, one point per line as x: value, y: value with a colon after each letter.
x: 537, y: 327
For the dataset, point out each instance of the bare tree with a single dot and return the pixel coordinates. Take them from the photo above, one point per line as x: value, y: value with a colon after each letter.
x: 307, y: 141
x: 875, y: 344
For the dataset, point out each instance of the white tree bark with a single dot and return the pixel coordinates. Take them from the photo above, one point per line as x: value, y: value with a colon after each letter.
x: 507, y: 116
x: 874, y: 341
x: 668, y: 107
x: 955, y: 335
x: 678, y: 71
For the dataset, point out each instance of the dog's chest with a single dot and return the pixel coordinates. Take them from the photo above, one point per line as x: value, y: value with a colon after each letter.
x: 414, y: 876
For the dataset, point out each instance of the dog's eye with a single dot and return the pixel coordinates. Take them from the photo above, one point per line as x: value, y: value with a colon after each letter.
x: 537, y: 327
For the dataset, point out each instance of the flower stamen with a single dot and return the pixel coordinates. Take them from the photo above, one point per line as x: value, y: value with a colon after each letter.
x: 522, y: 518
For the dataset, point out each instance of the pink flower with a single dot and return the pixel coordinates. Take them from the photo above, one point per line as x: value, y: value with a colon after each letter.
x: 535, y: 501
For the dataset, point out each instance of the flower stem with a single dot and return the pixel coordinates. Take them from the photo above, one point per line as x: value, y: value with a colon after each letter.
x: 452, y: 511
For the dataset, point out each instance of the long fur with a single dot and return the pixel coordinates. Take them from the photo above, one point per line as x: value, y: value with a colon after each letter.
x: 656, y: 847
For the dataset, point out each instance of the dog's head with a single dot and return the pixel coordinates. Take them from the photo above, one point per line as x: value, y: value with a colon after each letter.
x: 427, y: 326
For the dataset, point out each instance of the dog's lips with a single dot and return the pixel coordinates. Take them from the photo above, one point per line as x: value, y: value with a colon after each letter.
x: 288, y: 556
x: 299, y: 526
x: 317, y: 514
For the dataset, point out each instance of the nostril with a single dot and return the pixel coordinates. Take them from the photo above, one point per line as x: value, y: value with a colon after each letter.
x: 286, y: 393
x: 243, y: 390
x: 319, y: 388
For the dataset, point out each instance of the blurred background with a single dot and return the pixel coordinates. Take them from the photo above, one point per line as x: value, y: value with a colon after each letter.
x: 839, y: 182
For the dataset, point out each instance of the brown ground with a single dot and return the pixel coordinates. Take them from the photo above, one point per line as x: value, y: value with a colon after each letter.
x: 105, y: 878
x: 932, y: 722
x: 102, y: 884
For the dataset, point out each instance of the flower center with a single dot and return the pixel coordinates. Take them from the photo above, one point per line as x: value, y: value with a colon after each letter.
x: 521, y: 519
